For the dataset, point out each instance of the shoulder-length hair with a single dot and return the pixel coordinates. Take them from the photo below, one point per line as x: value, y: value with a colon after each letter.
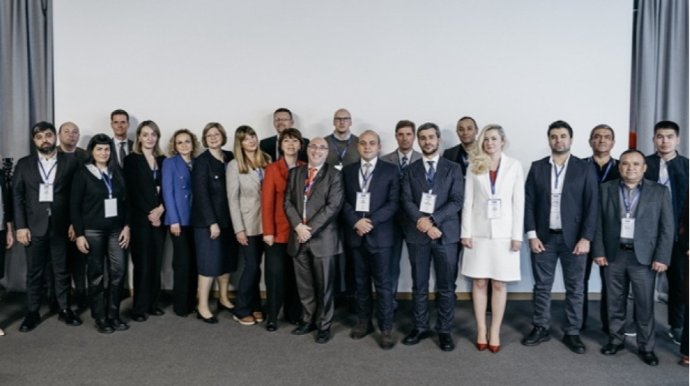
x: 479, y: 160
x: 244, y: 163
x: 138, y: 148
x: 172, y: 151
x: 99, y: 139
x: 210, y: 126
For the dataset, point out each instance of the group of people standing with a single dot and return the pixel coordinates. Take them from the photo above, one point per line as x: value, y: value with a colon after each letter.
x: 330, y: 216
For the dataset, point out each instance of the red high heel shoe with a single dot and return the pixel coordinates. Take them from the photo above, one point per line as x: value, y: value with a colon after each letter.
x: 494, y: 349
x: 482, y: 346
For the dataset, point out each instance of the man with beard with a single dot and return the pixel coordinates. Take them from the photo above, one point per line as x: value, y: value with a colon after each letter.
x: 282, y: 119
x: 41, y: 192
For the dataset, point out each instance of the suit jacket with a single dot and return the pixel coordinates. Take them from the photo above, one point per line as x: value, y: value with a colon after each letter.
x: 143, y: 194
x: 654, y: 227
x: 578, y: 200
x: 268, y: 146
x: 448, y: 188
x: 384, y: 187
x: 456, y: 154
x: 6, y: 201
x: 394, y: 159
x: 114, y: 151
x: 31, y: 214
x: 210, y: 200
x: 79, y: 153
x: 510, y: 189
x: 177, y: 191
x: 244, y: 198
x: 677, y: 172
x: 323, y: 206
x: 273, y: 219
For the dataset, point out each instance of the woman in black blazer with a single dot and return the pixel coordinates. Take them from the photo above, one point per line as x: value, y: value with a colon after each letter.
x: 100, y: 219
x: 5, y: 224
x: 216, y: 247
x: 142, y: 170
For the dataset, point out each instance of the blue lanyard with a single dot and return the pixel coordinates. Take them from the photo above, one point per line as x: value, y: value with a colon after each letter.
x: 628, y: 204
x: 46, y: 176
x: 558, y: 174
x: 260, y: 173
x: 665, y: 183
x: 341, y: 155
x: 493, y: 181
x: 365, y: 179
x: 108, y: 184
x: 606, y: 172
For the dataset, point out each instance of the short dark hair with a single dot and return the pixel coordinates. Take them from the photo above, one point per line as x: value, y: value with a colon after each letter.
x: 119, y: 112
x: 283, y: 110
x: 471, y: 119
x: 631, y: 151
x: 289, y: 133
x: 41, y: 127
x: 405, y: 123
x: 667, y: 125
x: 99, y: 139
x: 601, y: 126
x: 560, y: 125
x: 427, y: 126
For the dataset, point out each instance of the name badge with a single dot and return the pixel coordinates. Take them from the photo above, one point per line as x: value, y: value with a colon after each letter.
x: 493, y: 209
x: 627, y: 228
x: 428, y: 203
x: 555, y: 215
x: 339, y: 166
x: 45, y: 193
x: 363, y: 200
x: 110, y: 205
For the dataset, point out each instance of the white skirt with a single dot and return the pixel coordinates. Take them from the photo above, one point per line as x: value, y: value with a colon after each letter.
x: 491, y: 259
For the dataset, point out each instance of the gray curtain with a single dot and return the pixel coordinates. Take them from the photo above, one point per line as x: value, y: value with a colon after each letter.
x: 26, y: 86
x: 659, y: 70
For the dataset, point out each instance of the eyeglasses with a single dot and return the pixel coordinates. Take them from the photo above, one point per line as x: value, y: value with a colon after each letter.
x: 342, y: 119
x: 319, y: 148
x: 213, y: 135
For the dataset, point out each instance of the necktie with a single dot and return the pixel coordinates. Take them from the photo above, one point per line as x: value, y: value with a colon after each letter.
x: 431, y: 173
x: 307, y: 188
x: 122, y: 153
x: 404, y: 162
x: 365, y: 176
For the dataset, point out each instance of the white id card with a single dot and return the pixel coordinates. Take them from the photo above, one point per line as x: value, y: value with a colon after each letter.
x: 428, y: 203
x: 363, y: 200
x: 45, y: 193
x: 555, y: 216
x: 493, y: 209
x: 627, y: 228
x: 339, y: 166
x: 110, y: 205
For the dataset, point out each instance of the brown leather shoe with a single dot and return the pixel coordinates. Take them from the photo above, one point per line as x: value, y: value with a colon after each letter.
x: 387, y: 341
x: 361, y: 330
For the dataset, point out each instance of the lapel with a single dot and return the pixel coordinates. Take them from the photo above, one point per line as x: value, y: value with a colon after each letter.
x: 254, y: 176
x: 645, y: 197
x: 59, y: 168
x: 415, y: 156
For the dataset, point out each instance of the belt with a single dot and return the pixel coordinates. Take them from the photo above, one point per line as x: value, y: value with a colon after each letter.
x: 627, y: 247
x: 556, y: 231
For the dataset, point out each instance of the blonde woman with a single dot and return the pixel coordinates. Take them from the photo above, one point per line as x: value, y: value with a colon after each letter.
x: 492, y: 228
x: 245, y: 175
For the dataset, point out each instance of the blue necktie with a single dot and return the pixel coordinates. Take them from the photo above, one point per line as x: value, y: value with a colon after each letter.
x: 431, y: 173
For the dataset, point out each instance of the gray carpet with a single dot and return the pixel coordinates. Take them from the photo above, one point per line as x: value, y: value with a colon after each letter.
x: 169, y: 350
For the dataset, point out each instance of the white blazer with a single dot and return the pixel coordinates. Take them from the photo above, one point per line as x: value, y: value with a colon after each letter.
x: 510, y: 189
x: 244, y: 199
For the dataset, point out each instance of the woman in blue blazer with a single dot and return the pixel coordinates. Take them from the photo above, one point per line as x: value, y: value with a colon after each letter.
x: 177, y: 198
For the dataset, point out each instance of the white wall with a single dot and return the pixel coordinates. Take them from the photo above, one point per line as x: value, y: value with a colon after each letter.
x: 182, y: 64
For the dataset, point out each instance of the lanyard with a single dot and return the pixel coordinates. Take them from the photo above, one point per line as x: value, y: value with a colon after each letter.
x: 606, y: 172
x: 558, y: 174
x: 365, y: 179
x: 628, y: 204
x: 108, y: 184
x: 492, y: 181
x: 46, y: 176
x: 260, y: 173
x: 341, y: 155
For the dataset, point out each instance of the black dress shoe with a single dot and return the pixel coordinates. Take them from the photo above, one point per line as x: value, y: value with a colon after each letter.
x: 210, y: 320
x: 323, y: 336
x: 304, y: 329
x: 156, y: 312
x: 611, y: 348
x: 295, y: 322
x: 387, y: 342
x: 574, y: 343
x: 104, y: 327
x: 649, y: 357
x: 415, y: 336
x: 536, y: 336
x: 139, y: 317
x: 271, y: 326
x: 361, y: 330
x: 118, y: 324
x: 446, y: 342
x: 30, y: 322
x: 69, y: 317
x: 221, y: 307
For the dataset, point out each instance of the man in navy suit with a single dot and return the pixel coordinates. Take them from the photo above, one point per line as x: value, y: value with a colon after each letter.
x: 119, y: 122
x: 282, y: 119
x: 372, y: 192
x: 560, y: 219
x: 432, y: 197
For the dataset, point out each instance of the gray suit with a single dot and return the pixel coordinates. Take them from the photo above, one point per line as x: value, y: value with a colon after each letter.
x: 652, y: 242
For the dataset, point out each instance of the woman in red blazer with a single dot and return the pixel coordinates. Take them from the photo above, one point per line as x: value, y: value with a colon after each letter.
x: 281, y: 287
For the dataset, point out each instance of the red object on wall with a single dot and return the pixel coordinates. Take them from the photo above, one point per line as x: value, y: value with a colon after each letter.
x: 632, y: 140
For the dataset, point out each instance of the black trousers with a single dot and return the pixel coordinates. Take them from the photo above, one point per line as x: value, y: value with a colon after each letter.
x: 315, y: 282
x: 603, y: 308
x: 76, y: 265
x: 147, y: 259
x: 374, y: 264
x: 104, y: 255
x: 281, y: 285
x: 47, y: 248
x: 674, y: 274
x: 185, y: 275
x: 248, y: 291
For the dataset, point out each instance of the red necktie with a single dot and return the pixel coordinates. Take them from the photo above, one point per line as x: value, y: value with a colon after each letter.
x: 310, y: 179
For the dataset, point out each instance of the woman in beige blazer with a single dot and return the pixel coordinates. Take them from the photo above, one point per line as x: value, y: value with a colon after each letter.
x: 492, y: 227
x: 244, y: 177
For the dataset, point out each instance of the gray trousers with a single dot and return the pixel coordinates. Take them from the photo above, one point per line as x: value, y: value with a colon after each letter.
x: 315, y: 278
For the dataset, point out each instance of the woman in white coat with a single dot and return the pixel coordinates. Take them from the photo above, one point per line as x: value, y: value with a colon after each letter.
x: 492, y: 227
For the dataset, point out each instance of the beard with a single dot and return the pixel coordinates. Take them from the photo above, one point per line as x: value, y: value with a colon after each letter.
x: 430, y: 152
x: 46, y: 148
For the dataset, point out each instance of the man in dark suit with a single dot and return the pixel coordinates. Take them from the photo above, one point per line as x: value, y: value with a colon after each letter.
x: 41, y: 194
x: 313, y: 201
x: 602, y: 138
x: 119, y: 122
x: 432, y: 197
x: 633, y: 242
x: 560, y: 220
x: 282, y: 119
x: 372, y: 193
x: 669, y: 168
x: 402, y: 157
x: 467, y: 133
